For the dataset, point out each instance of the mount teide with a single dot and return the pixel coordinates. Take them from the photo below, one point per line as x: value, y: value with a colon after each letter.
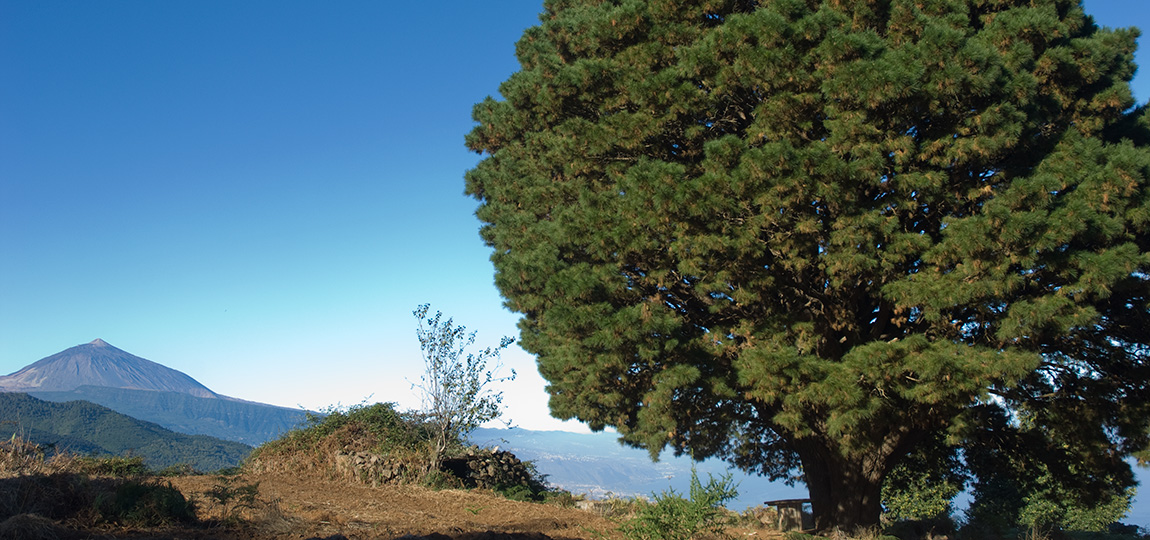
x: 100, y: 364
x: 130, y: 385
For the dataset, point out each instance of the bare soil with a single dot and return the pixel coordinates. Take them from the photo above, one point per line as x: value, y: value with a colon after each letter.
x: 305, y: 506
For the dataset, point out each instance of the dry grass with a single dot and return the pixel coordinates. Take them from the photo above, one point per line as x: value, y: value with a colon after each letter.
x: 56, y: 496
x: 19, y: 456
x: 30, y: 527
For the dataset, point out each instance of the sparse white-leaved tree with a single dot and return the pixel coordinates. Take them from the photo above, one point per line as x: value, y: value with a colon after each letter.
x: 457, y: 386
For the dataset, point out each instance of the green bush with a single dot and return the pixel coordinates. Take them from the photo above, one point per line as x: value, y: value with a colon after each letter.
x: 520, y: 493
x: 181, y: 469
x: 672, y: 517
x: 441, y: 480
x: 1043, y: 503
x: 379, y: 426
x: 232, y: 498
x: 523, y: 482
x: 117, y: 466
x: 561, y: 498
x: 921, y: 488
x: 1099, y: 516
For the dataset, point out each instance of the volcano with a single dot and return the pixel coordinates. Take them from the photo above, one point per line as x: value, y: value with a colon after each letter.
x: 100, y: 364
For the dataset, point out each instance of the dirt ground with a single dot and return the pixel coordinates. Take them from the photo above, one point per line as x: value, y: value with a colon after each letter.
x: 305, y: 507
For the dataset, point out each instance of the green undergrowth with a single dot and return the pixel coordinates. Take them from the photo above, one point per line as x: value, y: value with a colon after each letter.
x: 377, y: 428
x: 674, y: 517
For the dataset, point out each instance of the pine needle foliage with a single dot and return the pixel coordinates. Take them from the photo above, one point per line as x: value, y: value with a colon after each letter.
x: 809, y: 235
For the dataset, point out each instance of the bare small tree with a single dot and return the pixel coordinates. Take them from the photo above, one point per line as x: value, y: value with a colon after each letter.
x: 456, y: 386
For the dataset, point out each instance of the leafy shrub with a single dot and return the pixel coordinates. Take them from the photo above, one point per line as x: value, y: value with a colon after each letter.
x: 378, y: 427
x: 441, y: 480
x: 923, y: 485
x: 561, y: 498
x: 520, y: 493
x: 117, y: 466
x: 231, y: 498
x: 523, y: 482
x: 376, y: 444
x: 1099, y: 516
x: 181, y: 469
x: 924, y: 498
x: 672, y: 517
x: 1002, y: 505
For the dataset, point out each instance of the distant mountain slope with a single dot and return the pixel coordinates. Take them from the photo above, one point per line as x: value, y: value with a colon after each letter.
x: 100, y: 364
x: 85, y: 427
x: 143, y: 389
x: 54, y: 441
x: 229, y: 419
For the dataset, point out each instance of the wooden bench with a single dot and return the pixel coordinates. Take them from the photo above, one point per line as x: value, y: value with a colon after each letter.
x: 791, y: 516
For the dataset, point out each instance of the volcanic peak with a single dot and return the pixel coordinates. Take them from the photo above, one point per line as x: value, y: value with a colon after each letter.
x: 98, y: 363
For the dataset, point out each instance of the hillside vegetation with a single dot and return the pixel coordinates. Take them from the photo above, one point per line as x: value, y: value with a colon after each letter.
x: 225, y: 418
x: 85, y: 428
x: 375, y: 444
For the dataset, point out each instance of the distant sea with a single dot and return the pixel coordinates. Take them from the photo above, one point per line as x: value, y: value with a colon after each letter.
x: 1140, y: 509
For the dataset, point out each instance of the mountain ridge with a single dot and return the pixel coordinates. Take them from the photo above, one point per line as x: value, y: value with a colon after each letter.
x: 236, y: 420
x: 86, y: 428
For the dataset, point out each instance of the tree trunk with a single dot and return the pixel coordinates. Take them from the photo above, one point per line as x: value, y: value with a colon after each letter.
x: 845, y: 494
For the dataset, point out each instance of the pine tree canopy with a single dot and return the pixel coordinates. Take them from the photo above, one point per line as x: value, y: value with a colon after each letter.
x: 808, y: 235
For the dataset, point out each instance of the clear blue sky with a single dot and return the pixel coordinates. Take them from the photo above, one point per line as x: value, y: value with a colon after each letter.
x: 258, y: 193
x: 255, y: 193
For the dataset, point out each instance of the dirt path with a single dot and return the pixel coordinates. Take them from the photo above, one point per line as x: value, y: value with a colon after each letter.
x: 305, y: 507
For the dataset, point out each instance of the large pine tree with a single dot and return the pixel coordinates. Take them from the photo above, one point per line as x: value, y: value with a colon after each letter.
x: 808, y: 235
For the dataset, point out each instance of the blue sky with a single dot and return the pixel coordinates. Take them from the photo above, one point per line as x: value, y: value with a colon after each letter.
x: 258, y: 193
x: 255, y: 193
